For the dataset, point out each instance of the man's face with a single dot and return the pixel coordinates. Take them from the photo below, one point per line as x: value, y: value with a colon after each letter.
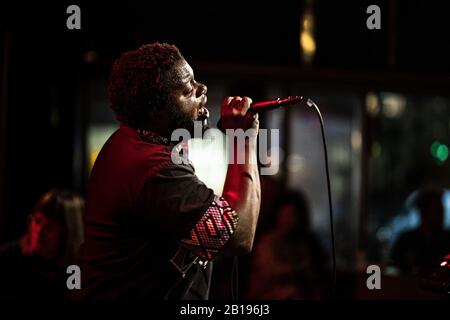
x: 187, y: 99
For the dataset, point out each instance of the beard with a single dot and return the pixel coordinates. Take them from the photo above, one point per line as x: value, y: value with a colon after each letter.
x: 181, y: 120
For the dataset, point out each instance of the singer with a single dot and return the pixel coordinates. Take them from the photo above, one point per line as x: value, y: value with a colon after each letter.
x: 152, y: 228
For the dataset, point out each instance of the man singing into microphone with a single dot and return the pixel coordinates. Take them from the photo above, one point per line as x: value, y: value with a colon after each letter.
x: 153, y: 228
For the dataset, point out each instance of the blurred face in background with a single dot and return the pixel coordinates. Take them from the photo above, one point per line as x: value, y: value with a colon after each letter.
x: 46, y: 236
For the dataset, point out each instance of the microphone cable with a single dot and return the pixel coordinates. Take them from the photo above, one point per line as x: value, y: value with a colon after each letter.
x: 234, y: 273
x: 311, y: 103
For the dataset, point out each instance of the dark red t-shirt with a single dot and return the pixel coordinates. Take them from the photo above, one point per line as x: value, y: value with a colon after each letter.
x: 140, y: 206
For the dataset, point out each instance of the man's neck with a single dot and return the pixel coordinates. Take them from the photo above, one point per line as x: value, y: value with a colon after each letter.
x: 159, y: 125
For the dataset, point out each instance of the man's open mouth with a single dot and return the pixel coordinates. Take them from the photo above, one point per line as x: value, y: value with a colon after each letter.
x: 203, y: 113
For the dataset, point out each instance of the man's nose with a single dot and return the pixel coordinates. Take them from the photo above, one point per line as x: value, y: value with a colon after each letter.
x: 202, y: 89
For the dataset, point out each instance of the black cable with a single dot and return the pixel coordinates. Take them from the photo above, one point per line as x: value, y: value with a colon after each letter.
x: 234, y: 274
x: 311, y: 103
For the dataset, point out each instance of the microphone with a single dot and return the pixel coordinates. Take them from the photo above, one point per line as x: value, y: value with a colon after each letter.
x: 274, y: 104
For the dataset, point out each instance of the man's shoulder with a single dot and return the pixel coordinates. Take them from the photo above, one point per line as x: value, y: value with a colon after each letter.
x: 125, y: 150
x: 128, y: 140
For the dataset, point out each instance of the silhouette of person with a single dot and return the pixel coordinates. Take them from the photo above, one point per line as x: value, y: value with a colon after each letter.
x: 423, y: 248
x: 35, y: 266
x: 289, y: 261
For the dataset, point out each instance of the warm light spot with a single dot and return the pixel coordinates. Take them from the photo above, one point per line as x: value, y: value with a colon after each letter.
x: 96, y: 138
x: 306, y: 37
x: 308, y: 43
x: 356, y: 140
x: 90, y: 56
x: 394, y: 105
x: 92, y: 157
x: 372, y: 104
x: 210, y: 162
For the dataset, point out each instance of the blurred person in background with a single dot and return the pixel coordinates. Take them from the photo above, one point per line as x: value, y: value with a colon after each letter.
x: 35, y: 266
x: 289, y: 261
x: 424, y: 247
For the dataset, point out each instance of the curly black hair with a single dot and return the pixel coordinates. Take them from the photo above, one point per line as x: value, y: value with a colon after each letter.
x: 139, y: 84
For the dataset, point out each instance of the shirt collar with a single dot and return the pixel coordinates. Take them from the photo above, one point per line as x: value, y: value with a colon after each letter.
x: 145, y: 135
x: 149, y: 136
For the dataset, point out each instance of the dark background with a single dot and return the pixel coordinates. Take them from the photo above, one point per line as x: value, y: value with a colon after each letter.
x: 45, y: 68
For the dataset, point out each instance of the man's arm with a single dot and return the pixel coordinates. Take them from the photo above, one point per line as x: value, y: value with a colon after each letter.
x: 242, y: 186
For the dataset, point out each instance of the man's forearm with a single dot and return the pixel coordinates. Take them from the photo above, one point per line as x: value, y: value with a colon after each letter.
x: 242, y: 190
